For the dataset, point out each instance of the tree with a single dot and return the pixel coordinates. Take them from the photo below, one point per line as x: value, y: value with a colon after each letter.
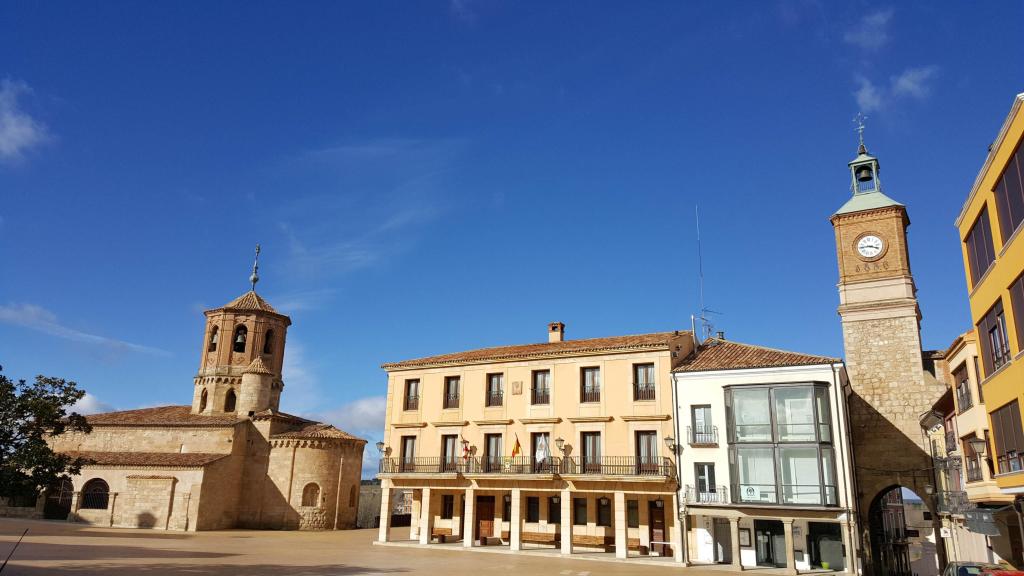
x: 29, y: 414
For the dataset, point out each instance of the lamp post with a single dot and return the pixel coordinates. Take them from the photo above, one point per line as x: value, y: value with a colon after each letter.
x: 670, y: 442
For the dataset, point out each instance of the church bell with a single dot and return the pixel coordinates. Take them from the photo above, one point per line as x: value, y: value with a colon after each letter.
x: 864, y: 173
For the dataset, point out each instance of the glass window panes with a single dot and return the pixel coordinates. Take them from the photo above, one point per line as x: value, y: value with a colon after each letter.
x: 632, y: 514
x: 752, y: 414
x: 798, y: 471
x: 756, y: 474
x: 794, y: 414
x: 579, y: 511
x: 554, y: 510
x: 824, y: 415
x: 828, y: 474
x: 604, y: 512
x: 532, y: 509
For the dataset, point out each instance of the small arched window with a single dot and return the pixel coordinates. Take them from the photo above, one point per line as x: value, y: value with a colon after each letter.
x: 229, y: 401
x: 352, y: 497
x: 213, y: 340
x: 268, y: 342
x: 95, y: 494
x: 311, y: 495
x: 241, y: 333
x: 202, y: 401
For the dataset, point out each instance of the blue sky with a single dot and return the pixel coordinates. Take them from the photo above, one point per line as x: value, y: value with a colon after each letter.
x: 427, y: 177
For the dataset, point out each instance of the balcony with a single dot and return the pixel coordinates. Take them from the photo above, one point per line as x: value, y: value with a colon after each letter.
x: 955, y: 502
x: 590, y: 394
x: 643, y: 391
x: 451, y: 401
x: 540, y: 396
x: 494, y: 398
x: 702, y: 435
x: 964, y: 401
x: 423, y: 465
x: 515, y: 465
x: 951, y: 442
x: 619, y: 466
x: 720, y: 495
x: 412, y: 402
x: 974, y: 473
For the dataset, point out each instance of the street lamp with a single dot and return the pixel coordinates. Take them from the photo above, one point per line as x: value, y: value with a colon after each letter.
x: 978, y: 446
x: 929, y: 489
x: 560, y: 444
x: 380, y: 446
x: 671, y: 443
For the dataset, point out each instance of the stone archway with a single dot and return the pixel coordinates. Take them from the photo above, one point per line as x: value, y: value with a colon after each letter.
x: 897, y: 534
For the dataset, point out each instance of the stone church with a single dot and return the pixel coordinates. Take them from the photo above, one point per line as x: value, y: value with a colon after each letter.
x: 231, y: 459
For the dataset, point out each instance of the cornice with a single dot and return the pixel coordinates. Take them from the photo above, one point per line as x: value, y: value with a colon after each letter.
x: 585, y: 419
x: 492, y: 422
x: 554, y: 420
x: 646, y: 418
x: 409, y: 425
x: 445, y: 424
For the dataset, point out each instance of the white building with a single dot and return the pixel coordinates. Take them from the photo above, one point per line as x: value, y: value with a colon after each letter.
x: 765, y: 469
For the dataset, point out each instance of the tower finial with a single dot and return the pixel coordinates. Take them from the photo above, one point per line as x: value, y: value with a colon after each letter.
x: 255, y: 269
x: 859, y: 121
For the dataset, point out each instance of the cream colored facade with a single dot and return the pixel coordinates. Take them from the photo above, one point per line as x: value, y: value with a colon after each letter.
x: 617, y: 495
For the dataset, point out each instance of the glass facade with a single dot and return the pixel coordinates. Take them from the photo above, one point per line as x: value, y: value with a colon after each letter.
x: 780, y: 444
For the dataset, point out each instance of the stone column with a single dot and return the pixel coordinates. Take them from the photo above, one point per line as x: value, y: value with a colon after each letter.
x: 426, y: 517
x: 76, y: 503
x: 414, y: 515
x: 787, y: 526
x: 566, y: 503
x: 848, y: 553
x: 734, y: 527
x: 621, y: 551
x: 467, y: 531
x: 678, y: 529
x: 645, y: 523
x: 456, y: 516
x: 515, y: 522
x: 385, y: 514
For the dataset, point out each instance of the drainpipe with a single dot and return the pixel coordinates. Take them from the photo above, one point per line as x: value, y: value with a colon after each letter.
x: 681, y: 517
x: 847, y: 453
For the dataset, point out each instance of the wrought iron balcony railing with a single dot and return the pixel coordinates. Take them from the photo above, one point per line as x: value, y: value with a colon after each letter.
x: 540, y: 396
x: 619, y: 466
x: 608, y: 465
x: 516, y: 465
x: 412, y: 402
x: 494, y: 398
x: 702, y: 435
x: 953, y: 502
x: 710, y: 495
x: 643, y: 391
x: 421, y: 465
x: 951, y: 444
x: 451, y: 400
x: 590, y: 394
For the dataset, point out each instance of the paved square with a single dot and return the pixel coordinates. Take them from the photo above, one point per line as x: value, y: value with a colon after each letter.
x: 73, y: 549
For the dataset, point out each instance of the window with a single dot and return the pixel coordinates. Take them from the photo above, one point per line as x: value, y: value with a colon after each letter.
x: 963, y: 388
x: 495, y: 390
x: 591, y: 442
x: 492, y: 452
x: 449, y: 453
x: 752, y: 419
x: 1017, y: 305
x: 540, y: 450
x: 643, y: 381
x: 229, y: 401
x: 579, y: 511
x: 311, y: 495
x: 980, y: 253
x: 798, y: 474
x: 977, y: 376
x: 241, y: 333
x: 1009, y: 439
x: 701, y: 431
x: 756, y: 474
x: 604, y: 512
x: 95, y: 494
x: 213, y: 340
x: 447, y: 506
x: 794, y: 414
x: 408, y: 454
x: 590, y: 385
x: 995, y: 350
x: 554, y: 510
x: 268, y: 342
x: 647, y: 452
x: 1009, y: 193
x: 202, y: 401
x: 506, y: 510
x: 532, y: 509
x: 412, y: 395
x: 451, y: 391
x: 704, y: 473
x: 540, y: 390
x: 972, y: 460
x: 632, y: 513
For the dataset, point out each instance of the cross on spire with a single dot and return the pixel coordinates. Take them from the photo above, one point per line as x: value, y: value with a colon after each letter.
x: 859, y: 121
x: 255, y: 269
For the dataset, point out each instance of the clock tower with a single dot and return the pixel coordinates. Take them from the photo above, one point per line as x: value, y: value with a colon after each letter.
x: 891, y: 380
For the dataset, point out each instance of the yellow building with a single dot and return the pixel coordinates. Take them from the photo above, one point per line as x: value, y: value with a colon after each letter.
x: 990, y: 227
x: 565, y: 445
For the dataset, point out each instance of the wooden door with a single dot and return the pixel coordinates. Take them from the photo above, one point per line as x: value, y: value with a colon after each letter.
x: 656, y: 525
x: 484, y: 517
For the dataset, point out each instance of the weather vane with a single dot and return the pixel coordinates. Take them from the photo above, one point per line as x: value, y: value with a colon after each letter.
x: 255, y: 269
x: 859, y: 121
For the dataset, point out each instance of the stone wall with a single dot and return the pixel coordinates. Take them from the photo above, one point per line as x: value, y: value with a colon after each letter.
x: 9, y: 509
x: 213, y: 440
x: 369, y: 506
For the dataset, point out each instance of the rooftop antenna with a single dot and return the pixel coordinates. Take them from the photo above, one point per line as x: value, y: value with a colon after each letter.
x: 255, y: 269
x: 705, y: 323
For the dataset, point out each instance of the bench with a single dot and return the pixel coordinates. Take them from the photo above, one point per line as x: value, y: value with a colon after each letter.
x: 442, y: 535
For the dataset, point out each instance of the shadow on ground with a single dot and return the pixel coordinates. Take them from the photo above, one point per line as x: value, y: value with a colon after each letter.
x: 199, y: 570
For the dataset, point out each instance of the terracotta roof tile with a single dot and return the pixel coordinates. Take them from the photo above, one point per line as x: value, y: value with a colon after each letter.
x: 161, y: 416
x: 176, y: 459
x: 318, y: 430
x: 716, y: 354
x: 251, y: 301
x: 546, y: 349
x: 258, y: 366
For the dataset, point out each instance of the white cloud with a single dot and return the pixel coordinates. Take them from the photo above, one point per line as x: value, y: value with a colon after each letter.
x: 869, y: 97
x: 302, y: 392
x: 42, y: 320
x: 90, y: 404
x: 364, y: 416
x: 18, y: 130
x: 914, y: 82
x: 872, y: 32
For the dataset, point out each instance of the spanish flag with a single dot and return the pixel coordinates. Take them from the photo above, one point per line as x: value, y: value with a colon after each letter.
x: 517, y: 448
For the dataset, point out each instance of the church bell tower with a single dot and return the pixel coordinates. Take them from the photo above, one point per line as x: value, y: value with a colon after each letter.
x: 242, y: 356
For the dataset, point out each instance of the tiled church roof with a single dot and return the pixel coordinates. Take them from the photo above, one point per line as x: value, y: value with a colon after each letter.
x: 251, y: 301
x: 717, y: 354
x: 176, y: 459
x: 161, y: 416
x: 545, y: 349
x: 318, y: 430
x: 258, y: 366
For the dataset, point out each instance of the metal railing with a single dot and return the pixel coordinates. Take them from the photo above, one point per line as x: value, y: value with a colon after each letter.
x: 643, y: 391
x: 494, y: 398
x: 951, y: 444
x: 710, y: 495
x: 590, y: 394
x: 412, y: 402
x: 540, y: 396
x: 974, y: 470
x: 95, y: 500
x: 516, y: 465
x: 451, y: 400
x: 953, y: 502
x: 702, y: 435
x: 619, y: 466
x: 964, y: 400
x: 424, y: 465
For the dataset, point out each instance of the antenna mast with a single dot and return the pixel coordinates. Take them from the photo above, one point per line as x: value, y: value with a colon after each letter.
x: 705, y: 323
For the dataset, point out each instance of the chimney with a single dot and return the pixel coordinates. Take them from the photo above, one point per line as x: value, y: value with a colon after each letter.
x: 720, y: 335
x: 556, y: 332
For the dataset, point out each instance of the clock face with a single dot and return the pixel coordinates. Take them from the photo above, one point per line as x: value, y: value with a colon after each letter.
x: 870, y: 246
